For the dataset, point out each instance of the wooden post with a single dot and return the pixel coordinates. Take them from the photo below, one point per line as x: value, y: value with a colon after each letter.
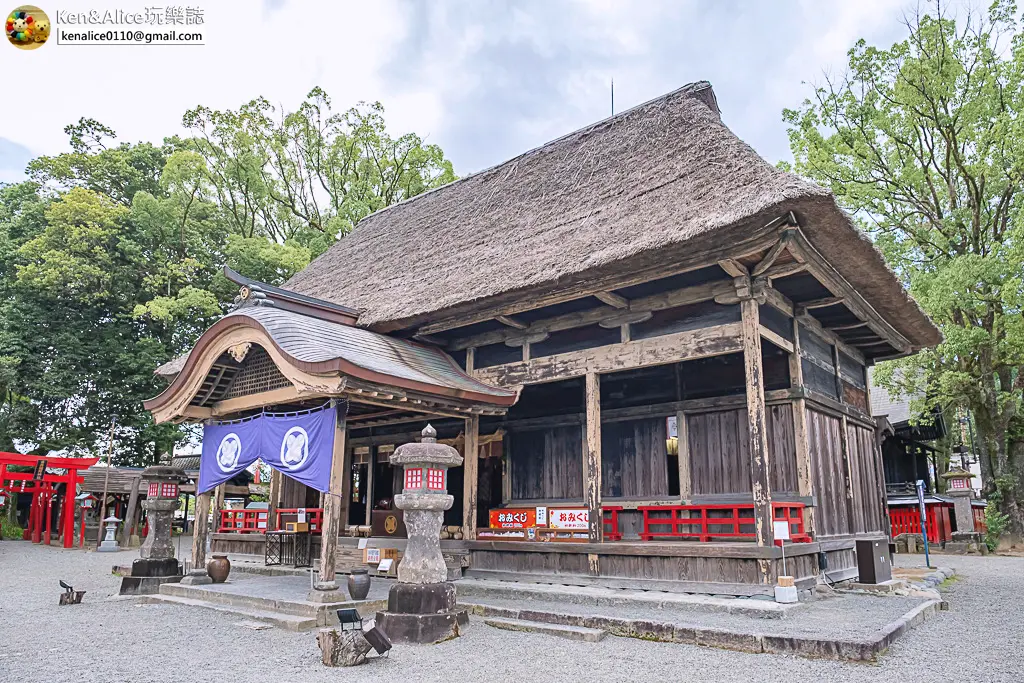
x: 132, y: 514
x: 800, y: 435
x: 759, y: 467
x: 370, y: 467
x: 592, y: 459
x: 334, y: 505
x: 218, y: 505
x: 346, y: 490
x: 273, y: 499
x: 470, y: 477
x: 685, y: 471
x: 200, y: 529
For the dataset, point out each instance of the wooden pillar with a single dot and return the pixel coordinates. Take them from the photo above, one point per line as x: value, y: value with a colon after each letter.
x: 200, y: 530
x: 370, y: 467
x: 132, y: 513
x: 470, y: 477
x: 346, y: 490
x: 273, y: 499
x: 592, y: 458
x: 218, y: 505
x: 800, y: 435
x: 685, y: 468
x: 334, y: 505
x: 759, y: 467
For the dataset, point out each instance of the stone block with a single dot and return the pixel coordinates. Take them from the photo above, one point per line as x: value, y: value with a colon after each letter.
x: 423, y: 628
x: 422, y: 598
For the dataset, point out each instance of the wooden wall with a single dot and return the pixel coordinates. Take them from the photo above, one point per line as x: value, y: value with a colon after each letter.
x: 832, y: 515
x: 720, y: 451
x: 546, y: 463
x: 634, y: 458
x: 865, y: 480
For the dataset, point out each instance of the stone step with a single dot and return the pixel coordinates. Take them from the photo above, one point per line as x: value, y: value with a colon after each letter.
x: 288, y: 622
x: 326, y: 613
x: 581, y: 633
x: 470, y: 588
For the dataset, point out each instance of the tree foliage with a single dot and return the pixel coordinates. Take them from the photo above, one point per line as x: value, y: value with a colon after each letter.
x: 111, y: 254
x: 924, y: 143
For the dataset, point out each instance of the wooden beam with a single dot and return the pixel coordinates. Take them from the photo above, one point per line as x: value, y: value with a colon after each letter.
x: 511, y: 322
x: 470, y: 360
x: 470, y: 479
x: 784, y: 270
x: 840, y: 328
x: 132, y: 513
x: 200, y: 531
x: 273, y: 498
x: 772, y: 255
x: 760, y: 470
x: 334, y: 506
x: 700, y: 343
x: 733, y: 267
x: 683, y: 259
x: 810, y: 322
x: 655, y: 302
x: 823, y: 302
x: 801, y: 437
x: 626, y: 318
x: 612, y: 299
x: 685, y: 467
x: 838, y: 285
x: 592, y: 458
x: 776, y: 339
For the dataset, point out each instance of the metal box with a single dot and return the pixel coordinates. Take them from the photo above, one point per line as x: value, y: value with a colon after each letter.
x: 873, y: 561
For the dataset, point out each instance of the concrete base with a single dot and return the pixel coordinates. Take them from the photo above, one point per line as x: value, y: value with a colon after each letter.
x: 196, y: 577
x: 883, y: 588
x: 328, y: 595
x: 108, y: 547
x: 145, y: 585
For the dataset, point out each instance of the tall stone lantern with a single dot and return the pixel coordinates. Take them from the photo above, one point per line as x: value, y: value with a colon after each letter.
x: 958, y: 487
x: 157, y: 564
x: 421, y: 606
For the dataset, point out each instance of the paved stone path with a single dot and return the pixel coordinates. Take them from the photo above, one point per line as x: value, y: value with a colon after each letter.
x: 980, y: 640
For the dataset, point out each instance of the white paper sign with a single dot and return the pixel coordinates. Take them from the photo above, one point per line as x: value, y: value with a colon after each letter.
x: 385, y: 565
x: 568, y: 519
x: 372, y: 555
x: 542, y: 516
x: 781, y: 531
x: 362, y: 543
x: 301, y: 515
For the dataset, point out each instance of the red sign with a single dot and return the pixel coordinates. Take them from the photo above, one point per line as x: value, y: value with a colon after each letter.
x: 513, y: 518
x: 576, y: 518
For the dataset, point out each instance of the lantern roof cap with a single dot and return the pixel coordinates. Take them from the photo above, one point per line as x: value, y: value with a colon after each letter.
x: 957, y: 473
x: 426, y: 452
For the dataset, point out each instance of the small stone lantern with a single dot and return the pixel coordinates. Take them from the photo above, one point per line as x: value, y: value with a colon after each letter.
x: 109, y: 544
x: 421, y: 606
x: 157, y: 564
x: 958, y: 487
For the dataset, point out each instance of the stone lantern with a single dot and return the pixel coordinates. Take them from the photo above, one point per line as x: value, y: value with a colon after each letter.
x: 109, y: 544
x: 421, y: 606
x: 157, y: 564
x: 958, y: 487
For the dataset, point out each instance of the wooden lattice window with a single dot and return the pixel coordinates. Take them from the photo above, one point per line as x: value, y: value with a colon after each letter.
x: 258, y: 373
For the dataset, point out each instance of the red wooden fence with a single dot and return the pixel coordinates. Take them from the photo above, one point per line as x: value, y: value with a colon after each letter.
x: 705, y: 522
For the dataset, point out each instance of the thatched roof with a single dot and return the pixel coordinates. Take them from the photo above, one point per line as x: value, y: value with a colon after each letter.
x: 661, y: 175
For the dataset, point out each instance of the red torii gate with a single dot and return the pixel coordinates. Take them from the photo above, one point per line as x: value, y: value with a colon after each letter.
x: 43, y: 491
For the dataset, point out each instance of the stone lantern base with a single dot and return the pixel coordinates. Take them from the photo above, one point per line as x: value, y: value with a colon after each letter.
x: 422, y: 613
x: 148, y: 574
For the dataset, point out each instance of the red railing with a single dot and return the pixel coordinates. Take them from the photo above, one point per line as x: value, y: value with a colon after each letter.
x: 705, y: 522
x: 314, y: 517
x: 979, y: 520
x: 610, y: 516
x: 907, y: 520
x: 242, y: 521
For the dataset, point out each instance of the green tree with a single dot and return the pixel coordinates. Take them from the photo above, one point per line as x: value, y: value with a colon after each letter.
x: 312, y: 174
x: 924, y: 143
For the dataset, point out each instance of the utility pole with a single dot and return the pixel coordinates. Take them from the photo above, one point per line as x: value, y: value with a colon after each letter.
x: 613, y: 97
x: 106, y: 482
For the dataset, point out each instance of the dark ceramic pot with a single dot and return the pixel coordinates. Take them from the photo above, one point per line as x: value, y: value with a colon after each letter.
x: 359, y: 584
x: 218, y: 568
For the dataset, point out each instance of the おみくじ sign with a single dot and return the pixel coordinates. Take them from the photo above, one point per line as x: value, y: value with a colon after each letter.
x: 513, y: 518
x: 567, y: 518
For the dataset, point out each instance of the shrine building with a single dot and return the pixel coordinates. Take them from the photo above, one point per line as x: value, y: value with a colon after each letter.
x: 649, y: 344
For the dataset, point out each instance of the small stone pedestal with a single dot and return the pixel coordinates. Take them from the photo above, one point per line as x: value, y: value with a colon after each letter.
x: 157, y: 565
x: 422, y: 606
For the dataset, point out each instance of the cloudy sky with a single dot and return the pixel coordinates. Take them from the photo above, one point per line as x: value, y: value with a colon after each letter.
x: 485, y: 79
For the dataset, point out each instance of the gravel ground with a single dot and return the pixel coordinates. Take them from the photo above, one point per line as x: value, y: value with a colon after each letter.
x: 112, y: 640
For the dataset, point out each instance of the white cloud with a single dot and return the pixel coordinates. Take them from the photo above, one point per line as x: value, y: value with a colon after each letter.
x: 484, y: 79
